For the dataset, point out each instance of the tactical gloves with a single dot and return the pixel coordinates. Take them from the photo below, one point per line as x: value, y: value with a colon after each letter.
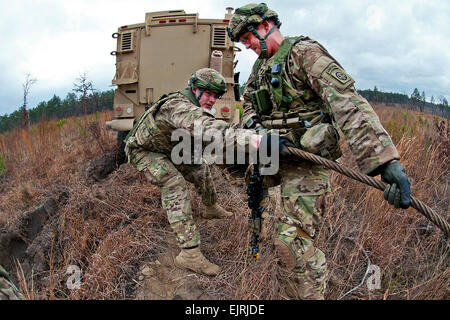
x: 269, y: 142
x: 398, y: 193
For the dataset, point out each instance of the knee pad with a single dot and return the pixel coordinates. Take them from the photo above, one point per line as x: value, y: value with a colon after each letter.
x: 285, y: 254
x: 293, y: 246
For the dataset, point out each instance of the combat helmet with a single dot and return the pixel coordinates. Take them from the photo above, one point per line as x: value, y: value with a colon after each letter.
x: 208, y: 79
x: 246, y: 18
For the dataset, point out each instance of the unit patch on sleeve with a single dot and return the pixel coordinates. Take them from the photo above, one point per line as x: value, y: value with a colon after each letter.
x: 338, y: 76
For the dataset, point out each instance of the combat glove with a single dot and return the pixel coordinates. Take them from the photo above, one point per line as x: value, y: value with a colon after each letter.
x: 398, y: 192
x: 282, y: 143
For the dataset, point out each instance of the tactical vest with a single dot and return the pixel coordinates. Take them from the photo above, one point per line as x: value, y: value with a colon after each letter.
x: 276, y: 100
x: 279, y: 106
x: 145, y: 132
x: 157, y: 105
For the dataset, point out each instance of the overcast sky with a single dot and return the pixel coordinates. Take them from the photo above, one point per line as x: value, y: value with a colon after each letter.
x: 394, y: 45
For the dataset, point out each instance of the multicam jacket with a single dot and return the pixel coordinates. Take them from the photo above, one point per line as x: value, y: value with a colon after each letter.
x: 312, y: 86
x: 179, y: 110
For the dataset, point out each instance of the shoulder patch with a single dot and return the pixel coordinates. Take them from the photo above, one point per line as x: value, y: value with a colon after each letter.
x: 327, y: 69
x: 338, y: 74
x: 320, y: 65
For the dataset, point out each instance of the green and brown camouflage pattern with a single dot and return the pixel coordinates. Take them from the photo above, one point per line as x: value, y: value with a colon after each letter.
x: 209, y: 79
x: 149, y: 146
x: 250, y: 14
x: 321, y: 86
x: 304, y: 187
x: 322, y: 139
x: 8, y: 290
x: 175, y: 198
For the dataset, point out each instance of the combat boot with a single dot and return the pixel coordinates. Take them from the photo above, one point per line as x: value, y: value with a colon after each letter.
x: 216, y: 212
x: 194, y: 260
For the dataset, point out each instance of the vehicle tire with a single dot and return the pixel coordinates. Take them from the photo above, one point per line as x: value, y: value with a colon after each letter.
x: 120, y: 155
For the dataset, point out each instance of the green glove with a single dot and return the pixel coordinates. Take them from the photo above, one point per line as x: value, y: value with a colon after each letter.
x: 398, y: 193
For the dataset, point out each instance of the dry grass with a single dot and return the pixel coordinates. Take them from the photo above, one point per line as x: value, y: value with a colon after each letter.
x: 109, y: 228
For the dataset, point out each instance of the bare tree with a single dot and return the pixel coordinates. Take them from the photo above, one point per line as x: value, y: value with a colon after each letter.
x: 83, y: 86
x: 29, y: 81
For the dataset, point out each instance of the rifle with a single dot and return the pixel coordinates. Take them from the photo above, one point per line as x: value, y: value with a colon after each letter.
x: 256, y: 192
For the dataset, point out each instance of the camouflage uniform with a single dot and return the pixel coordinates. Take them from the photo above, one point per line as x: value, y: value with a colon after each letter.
x: 149, y: 147
x: 8, y: 290
x: 311, y: 97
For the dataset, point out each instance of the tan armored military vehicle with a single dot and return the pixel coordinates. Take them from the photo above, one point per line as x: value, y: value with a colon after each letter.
x: 159, y: 55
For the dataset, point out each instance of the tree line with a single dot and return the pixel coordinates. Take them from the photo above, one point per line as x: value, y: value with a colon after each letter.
x: 91, y: 101
x: 57, y: 108
x: 417, y: 101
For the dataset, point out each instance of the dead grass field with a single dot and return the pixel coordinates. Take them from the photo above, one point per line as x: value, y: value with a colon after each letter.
x: 110, y: 228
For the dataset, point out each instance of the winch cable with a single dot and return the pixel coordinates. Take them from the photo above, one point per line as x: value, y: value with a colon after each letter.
x: 378, y: 184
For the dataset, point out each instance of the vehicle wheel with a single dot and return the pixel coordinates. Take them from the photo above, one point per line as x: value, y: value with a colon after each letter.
x: 120, y: 155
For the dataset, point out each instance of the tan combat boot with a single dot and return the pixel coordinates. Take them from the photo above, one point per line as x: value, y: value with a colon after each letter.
x: 216, y: 212
x: 194, y: 260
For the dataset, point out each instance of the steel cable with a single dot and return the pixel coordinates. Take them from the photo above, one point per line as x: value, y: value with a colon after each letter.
x: 378, y: 184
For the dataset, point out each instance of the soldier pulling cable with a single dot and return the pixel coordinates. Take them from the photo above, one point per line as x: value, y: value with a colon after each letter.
x: 298, y: 88
x: 149, y: 149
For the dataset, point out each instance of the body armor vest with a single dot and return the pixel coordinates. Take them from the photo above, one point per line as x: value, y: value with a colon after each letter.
x: 280, y: 107
x: 275, y: 99
x: 146, y: 133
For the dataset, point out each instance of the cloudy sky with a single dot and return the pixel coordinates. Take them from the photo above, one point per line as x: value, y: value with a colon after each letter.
x: 394, y: 45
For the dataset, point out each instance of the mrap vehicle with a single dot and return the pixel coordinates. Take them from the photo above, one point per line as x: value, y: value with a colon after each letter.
x: 159, y: 56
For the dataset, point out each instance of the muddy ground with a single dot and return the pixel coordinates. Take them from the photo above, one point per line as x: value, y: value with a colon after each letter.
x: 30, y: 246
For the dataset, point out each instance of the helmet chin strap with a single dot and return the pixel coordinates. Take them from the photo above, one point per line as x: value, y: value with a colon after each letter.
x: 200, y: 94
x: 262, y: 40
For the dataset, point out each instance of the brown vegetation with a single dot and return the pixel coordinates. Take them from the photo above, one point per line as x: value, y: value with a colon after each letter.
x: 111, y: 226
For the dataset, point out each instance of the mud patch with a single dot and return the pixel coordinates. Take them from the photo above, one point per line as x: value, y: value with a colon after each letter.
x: 29, y: 238
x: 100, y: 167
x: 162, y: 280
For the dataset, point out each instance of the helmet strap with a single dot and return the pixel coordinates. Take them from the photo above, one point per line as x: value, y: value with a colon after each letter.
x: 262, y: 40
x: 200, y: 94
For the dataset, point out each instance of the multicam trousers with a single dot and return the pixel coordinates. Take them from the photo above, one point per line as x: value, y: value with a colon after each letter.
x: 304, y: 187
x: 171, y: 180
